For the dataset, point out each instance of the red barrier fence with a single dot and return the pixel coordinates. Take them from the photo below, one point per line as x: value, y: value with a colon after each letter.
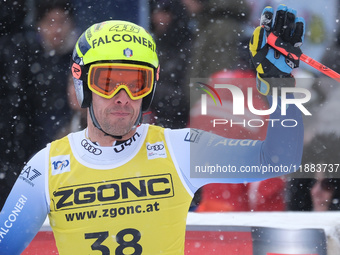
x: 302, y: 234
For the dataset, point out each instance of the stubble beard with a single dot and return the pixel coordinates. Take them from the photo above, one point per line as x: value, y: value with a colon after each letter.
x: 118, y: 126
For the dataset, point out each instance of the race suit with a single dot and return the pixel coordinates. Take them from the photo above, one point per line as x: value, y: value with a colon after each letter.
x: 133, y: 197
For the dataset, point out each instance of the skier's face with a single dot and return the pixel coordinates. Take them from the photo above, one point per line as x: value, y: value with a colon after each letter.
x: 118, y: 114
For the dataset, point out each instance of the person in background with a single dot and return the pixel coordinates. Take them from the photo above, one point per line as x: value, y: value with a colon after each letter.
x: 170, y: 28
x: 325, y: 193
x: 78, y: 118
x: 17, y: 136
x: 34, y: 71
x: 322, y: 191
x: 86, y: 12
x: 49, y: 66
x: 219, y: 32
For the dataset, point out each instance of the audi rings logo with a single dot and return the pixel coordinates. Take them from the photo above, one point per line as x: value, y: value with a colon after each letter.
x: 87, y: 146
x: 156, y: 150
x: 155, y: 147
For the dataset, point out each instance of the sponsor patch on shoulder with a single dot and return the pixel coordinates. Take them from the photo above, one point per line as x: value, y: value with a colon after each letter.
x: 60, y: 164
x: 156, y: 150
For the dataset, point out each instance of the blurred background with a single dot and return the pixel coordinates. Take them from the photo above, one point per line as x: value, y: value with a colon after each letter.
x: 195, y: 38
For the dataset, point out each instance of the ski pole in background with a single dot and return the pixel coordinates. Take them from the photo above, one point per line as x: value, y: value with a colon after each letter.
x: 275, y: 42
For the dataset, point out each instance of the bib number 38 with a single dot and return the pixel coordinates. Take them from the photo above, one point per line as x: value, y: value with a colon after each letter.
x: 127, y: 239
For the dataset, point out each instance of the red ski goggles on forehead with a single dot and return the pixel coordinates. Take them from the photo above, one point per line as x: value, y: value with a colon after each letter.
x: 106, y: 79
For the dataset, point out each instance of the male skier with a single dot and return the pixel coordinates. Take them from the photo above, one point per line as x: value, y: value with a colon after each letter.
x: 122, y: 187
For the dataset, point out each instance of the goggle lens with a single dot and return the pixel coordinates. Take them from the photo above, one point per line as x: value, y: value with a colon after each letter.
x: 107, y: 79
